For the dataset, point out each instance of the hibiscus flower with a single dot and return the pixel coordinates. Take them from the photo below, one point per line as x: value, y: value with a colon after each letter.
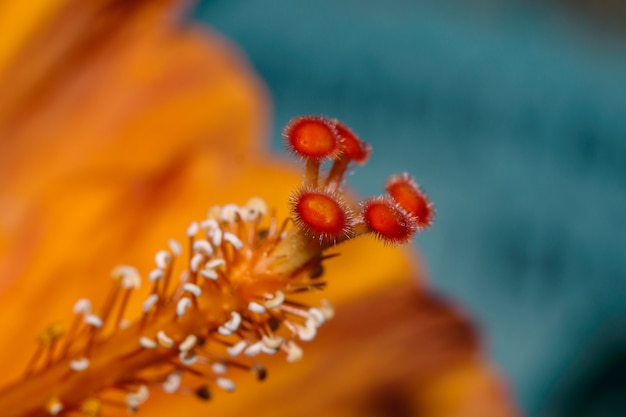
x: 119, y: 126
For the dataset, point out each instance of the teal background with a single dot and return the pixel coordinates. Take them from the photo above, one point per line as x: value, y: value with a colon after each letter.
x: 513, y: 117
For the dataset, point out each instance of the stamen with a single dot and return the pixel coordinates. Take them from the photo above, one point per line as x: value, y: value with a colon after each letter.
x: 164, y: 340
x: 256, y: 307
x: 233, y: 324
x: 193, y: 289
x: 93, y: 320
x: 135, y: 399
x: 237, y: 348
x: 254, y: 349
x: 327, y: 309
x: 317, y: 315
x: 175, y: 247
x: 294, y: 352
x: 182, y: 306
x: 233, y: 240
x: 82, y: 306
x: 219, y: 368
x: 188, y: 358
x: 209, y: 274
x: 189, y: 343
x: 257, y: 208
x: 225, y: 384
x: 172, y: 382
x: 54, y: 406
x: 203, y: 247
x: 192, y: 230
x: 148, y: 343
x: 216, y: 237
x: 229, y: 213
x: 215, y: 263
x: 276, y: 301
x: 195, y: 262
x: 306, y: 333
x: 79, y: 364
x: 150, y: 302
x: 162, y: 259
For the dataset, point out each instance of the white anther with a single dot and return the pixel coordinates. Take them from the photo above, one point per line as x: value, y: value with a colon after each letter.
x: 82, y: 306
x: 209, y: 224
x: 275, y: 302
x: 215, y: 263
x: 183, y: 305
x: 188, y: 358
x: 209, y: 274
x: 79, y: 364
x: 192, y: 289
x: 317, y: 315
x: 93, y: 320
x: 224, y: 331
x: 225, y: 384
x: 123, y: 324
x: 196, y: 261
x: 233, y: 240
x: 237, y: 348
x: 214, y: 212
x: 256, y: 207
x: 272, y: 342
x: 327, y: 309
x: 229, y: 213
x: 151, y: 300
x: 121, y: 270
x: 234, y: 322
x: 188, y: 344
x: 54, y: 407
x: 172, y: 382
x: 268, y: 350
x: 164, y: 340
x: 256, y: 307
x: 294, y: 352
x: 203, y: 247
x: 219, y: 368
x: 175, y: 246
x: 162, y: 259
x: 306, y: 333
x: 135, y: 399
x: 147, y: 343
x: 192, y: 230
x: 254, y: 349
x: 129, y: 276
x: 155, y: 275
x: 216, y: 237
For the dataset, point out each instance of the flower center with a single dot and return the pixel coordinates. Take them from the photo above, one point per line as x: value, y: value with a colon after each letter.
x: 226, y: 296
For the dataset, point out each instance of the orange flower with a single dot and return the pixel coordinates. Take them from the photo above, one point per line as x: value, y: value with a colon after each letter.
x: 118, y: 127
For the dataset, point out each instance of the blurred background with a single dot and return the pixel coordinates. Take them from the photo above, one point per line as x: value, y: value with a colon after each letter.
x: 512, y: 115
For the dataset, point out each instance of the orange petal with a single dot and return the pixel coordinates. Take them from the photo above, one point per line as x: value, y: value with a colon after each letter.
x: 119, y: 127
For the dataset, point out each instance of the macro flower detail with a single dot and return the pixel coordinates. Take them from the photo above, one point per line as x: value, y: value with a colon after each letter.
x: 244, y: 284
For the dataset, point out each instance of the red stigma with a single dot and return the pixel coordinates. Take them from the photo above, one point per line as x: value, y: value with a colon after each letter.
x: 408, y: 194
x: 312, y: 137
x: 353, y: 147
x: 321, y: 214
x: 390, y: 222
